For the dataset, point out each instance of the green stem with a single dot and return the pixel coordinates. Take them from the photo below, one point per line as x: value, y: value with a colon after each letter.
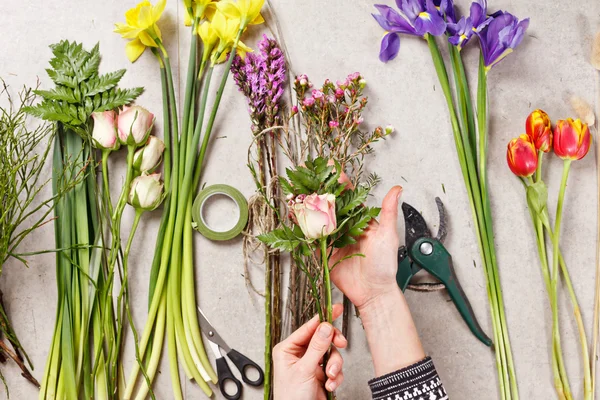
x: 555, y: 265
x: 538, y: 172
x: 327, y: 287
x: 467, y: 162
x: 482, y: 116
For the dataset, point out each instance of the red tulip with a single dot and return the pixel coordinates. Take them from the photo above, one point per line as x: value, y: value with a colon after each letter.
x: 521, y: 156
x: 539, y: 130
x: 572, y: 139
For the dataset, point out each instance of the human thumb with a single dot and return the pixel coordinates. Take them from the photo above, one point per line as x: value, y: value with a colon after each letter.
x: 388, y: 220
x: 318, y: 346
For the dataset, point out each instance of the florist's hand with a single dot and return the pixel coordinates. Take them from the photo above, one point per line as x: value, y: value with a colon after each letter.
x: 370, y: 283
x: 298, y: 373
x: 362, y: 279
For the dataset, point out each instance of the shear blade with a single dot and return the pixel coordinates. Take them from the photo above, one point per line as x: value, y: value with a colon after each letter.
x: 414, y: 224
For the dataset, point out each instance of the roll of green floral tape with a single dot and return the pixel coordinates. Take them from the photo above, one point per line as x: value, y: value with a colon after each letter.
x: 198, y: 208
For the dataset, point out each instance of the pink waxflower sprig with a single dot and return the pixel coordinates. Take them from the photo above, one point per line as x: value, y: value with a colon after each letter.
x: 332, y: 116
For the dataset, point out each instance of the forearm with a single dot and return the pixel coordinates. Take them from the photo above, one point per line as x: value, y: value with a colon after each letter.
x: 391, y: 333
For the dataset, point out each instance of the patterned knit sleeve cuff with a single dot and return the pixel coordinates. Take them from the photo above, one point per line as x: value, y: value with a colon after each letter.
x: 417, y: 381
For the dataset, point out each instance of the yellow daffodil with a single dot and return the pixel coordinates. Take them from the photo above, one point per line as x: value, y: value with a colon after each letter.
x: 209, y: 38
x: 247, y: 11
x: 227, y: 30
x: 198, y: 8
x: 140, y: 26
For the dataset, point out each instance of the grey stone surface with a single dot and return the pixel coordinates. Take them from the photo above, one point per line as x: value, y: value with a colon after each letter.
x: 329, y: 39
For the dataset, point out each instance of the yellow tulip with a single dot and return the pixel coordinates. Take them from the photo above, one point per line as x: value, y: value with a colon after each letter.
x: 140, y: 26
x: 247, y: 11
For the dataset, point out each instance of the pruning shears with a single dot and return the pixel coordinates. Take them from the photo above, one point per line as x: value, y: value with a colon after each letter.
x: 423, y: 251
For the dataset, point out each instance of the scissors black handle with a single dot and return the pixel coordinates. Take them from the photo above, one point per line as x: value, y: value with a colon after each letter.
x: 243, y: 363
x: 224, y: 374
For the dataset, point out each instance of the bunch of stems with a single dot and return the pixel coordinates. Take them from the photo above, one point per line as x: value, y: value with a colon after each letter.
x: 172, y: 298
x: 551, y: 274
x: 70, y: 371
x: 470, y: 137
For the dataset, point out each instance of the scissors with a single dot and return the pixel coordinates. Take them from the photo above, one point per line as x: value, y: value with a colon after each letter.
x: 423, y: 251
x: 242, y: 362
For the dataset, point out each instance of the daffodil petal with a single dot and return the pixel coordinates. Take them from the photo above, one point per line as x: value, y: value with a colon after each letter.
x: 147, y: 40
x: 242, y: 50
x: 187, y: 19
x: 126, y: 31
x: 158, y: 9
x: 209, y: 11
x: 134, y: 49
x: 258, y: 20
x: 157, y: 32
x: 254, y: 7
x: 229, y: 9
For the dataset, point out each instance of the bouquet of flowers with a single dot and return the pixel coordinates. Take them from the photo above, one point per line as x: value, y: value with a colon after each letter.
x: 571, y: 141
x: 499, y: 34
x: 327, y: 213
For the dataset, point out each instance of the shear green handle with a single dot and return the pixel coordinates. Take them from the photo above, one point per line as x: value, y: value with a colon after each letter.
x: 432, y: 256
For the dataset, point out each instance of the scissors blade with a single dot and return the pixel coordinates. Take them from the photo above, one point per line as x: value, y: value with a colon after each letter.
x: 211, y: 333
x: 414, y: 224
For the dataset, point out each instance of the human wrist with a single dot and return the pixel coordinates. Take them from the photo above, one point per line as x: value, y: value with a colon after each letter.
x: 378, y: 307
x: 391, y: 333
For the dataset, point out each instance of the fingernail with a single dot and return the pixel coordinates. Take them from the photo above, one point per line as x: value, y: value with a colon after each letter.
x: 333, y: 371
x: 332, y: 386
x: 325, y: 330
x: 399, y: 193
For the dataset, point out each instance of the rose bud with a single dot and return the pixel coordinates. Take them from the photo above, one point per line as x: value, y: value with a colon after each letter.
x: 572, y: 139
x: 539, y: 130
x: 316, y: 215
x: 146, y: 192
x: 521, y: 156
x: 135, y: 124
x: 104, y: 134
x: 148, y: 157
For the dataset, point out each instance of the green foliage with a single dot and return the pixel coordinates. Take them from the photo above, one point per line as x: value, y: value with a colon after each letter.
x: 283, y: 239
x: 320, y: 177
x: 80, y: 89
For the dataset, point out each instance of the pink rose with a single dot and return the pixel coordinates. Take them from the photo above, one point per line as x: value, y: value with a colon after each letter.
x: 104, y: 134
x: 316, y: 215
x: 135, y: 124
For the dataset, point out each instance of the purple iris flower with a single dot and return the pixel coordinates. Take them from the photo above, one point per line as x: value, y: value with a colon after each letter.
x: 460, y: 32
x: 415, y: 17
x: 446, y: 8
x: 501, y: 36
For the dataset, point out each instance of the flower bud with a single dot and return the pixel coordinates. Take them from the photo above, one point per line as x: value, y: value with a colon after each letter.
x: 539, y: 130
x: 146, y: 192
x: 362, y: 83
x: 104, y: 134
x: 308, y: 102
x: 315, y: 215
x: 389, y: 130
x: 334, y: 124
x: 294, y: 110
x: 135, y: 124
x: 572, y: 139
x: 148, y: 157
x: 521, y: 156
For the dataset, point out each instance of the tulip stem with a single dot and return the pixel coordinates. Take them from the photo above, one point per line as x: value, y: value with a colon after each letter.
x: 538, y: 172
x: 555, y: 270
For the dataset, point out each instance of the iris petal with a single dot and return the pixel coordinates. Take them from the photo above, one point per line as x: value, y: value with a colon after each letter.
x: 390, y: 45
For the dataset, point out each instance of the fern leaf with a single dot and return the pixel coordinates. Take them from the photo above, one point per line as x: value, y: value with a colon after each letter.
x: 62, y: 79
x: 116, y: 97
x: 102, y: 83
x: 91, y: 64
x: 61, y: 93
